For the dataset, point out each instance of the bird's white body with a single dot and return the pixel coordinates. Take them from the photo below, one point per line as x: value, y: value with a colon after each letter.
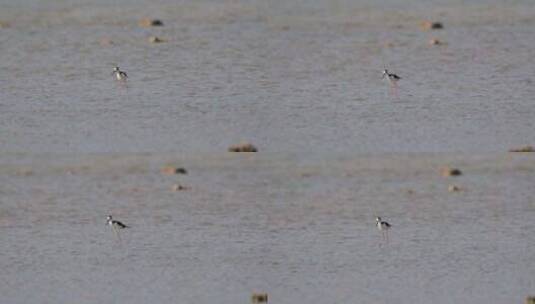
x: 115, y: 224
x: 120, y: 75
x: 393, y: 78
x: 383, y: 227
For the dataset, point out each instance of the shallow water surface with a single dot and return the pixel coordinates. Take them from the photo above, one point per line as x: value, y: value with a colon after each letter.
x: 289, y: 76
x: 301, y: 231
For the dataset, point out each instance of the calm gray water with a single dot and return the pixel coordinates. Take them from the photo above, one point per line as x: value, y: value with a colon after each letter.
x: 288, y: 76
x: 303, y: 231
x: 302, y: 81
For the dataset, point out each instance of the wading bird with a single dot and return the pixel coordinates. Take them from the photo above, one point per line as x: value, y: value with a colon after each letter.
x: 393, y: 79
x: 115, y: 224
x: 383, y: 227
x: 120, y: 75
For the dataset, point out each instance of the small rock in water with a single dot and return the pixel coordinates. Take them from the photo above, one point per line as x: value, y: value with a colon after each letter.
x: 453, y: 188
x: 25, y: 172
x: 179, y: 187
x: 431, y: 25
x: 170, y: 170
x: 259, y: 298
x: 4, y: 24
x: 147, y: 22
x: 306, y: 174
x: 106, y: 42
x: 530, y: 300
x: 447, y: 171
x: 435, y: 41
x: 243, y: 147
x: 154, y: 39
x: 523, y: 149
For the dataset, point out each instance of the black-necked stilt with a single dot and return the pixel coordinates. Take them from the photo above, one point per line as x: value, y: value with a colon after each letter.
x: 120, y: 75
x: 393, y: 79
x: 383, y: 227
x: 115, y: 224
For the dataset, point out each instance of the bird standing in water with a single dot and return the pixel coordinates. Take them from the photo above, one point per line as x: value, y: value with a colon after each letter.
x: 116, y: 225
x: 383, y: 227
x: 393, y: 79
x: 120, y: 75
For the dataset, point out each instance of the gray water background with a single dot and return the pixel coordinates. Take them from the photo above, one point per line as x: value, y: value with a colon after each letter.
x: 302, y: 81
x: 288, y: 76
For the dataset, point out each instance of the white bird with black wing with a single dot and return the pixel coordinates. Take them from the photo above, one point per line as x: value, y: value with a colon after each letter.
x: 383, y: 227
x: 115, y: 224
x: 120, y: 75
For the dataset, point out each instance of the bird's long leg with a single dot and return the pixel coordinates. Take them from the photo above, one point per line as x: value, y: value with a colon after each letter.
x: 394, y: 87
x: 117, y: 234
x: 386, y: 233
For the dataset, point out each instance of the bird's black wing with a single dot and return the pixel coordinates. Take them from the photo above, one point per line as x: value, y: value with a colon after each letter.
x: 121, y: 225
